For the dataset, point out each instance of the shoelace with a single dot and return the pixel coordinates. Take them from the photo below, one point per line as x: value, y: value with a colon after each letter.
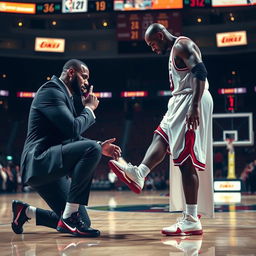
x: 134, y: 169
x: 81, y: 223
x: 130, y: 165
x: 181, y: 219
x: 78, y: 221
x: 74, y: 218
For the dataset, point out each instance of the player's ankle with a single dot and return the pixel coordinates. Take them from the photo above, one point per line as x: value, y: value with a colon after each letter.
x: 69, y: 209
x: 191, y: 209
x: 143, y: 170
x: 31, y: 212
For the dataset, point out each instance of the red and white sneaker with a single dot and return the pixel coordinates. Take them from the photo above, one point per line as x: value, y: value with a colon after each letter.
x: 19, y: 216
x: 187, y: 225
x: 129, y: 174
x: 75, y: 226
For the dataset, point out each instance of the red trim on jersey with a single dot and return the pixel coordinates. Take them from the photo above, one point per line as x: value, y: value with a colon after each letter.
x: 171, y: 83
x: 173, y: 61
x: 188, y: 151
x: 160, y: 131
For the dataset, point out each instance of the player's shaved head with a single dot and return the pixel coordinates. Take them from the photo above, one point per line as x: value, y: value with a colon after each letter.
x: 159, y: 38
x: 153, y: 29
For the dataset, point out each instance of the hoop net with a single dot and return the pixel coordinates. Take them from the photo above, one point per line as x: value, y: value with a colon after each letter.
x: 230, y: 145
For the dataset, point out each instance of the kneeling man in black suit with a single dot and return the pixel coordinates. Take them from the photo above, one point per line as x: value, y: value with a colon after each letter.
x: 56, y: 160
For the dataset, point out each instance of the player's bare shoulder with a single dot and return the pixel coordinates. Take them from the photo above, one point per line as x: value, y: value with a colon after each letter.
x: 184, y: 47
x: 188, y: 52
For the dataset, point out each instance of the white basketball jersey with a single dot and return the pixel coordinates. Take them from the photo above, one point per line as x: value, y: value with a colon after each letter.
x: 181, y: 78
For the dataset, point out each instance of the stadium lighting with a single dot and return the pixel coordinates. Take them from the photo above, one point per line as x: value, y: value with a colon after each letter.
x: 9, y: 158
x: 104, y: 23
x: 130, y: 94
x: 240, y: 90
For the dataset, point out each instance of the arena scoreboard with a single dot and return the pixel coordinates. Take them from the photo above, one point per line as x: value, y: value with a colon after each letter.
x: 75, y: 6
x: 232, y: 3
x: 119, y: 6
x: 197, y: 3
x: 133, y: 26
x: 138, y: 5
x: 24, y: 8
x: 48, y: 8
x: 100, y: 6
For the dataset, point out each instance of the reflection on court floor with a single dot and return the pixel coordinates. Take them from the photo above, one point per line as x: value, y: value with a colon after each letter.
x: 131, y: 225
x: 164, y: 208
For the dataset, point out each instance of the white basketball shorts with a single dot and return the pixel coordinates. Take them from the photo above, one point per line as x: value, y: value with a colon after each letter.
x: 183, y: 142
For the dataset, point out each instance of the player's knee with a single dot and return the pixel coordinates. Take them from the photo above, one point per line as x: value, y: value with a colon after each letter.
x: 94, y: 149
x: 97, y: 149
x: 187, y: 166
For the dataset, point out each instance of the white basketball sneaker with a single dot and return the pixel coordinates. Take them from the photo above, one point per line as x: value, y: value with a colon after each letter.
x: 129, y: 174
x: 186, y: 225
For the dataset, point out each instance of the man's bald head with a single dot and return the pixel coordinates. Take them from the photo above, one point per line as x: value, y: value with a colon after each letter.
x: 153, y: 29
x: 158, y: 38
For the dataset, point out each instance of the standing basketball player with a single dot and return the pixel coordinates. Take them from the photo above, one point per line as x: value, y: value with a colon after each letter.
x: 185, y: 130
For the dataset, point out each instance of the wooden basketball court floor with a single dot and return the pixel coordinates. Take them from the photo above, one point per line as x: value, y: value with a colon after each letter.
x: 130, y: 232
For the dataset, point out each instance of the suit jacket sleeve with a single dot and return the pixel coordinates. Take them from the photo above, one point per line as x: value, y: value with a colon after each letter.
x: 52, y: 103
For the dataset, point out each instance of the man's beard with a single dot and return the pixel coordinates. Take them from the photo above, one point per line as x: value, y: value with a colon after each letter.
x: 164, y: 49
x: 75, y: 86
x: 163, y: 52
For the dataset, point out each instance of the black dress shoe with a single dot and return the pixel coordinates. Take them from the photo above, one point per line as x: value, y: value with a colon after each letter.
x: 19, y: 216
x: 75, y: 226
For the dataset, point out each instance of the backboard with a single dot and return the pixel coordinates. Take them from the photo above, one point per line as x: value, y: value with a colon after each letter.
x: 235, y: 126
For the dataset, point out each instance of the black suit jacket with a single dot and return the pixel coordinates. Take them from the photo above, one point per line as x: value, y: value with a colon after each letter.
x: 52, y: 122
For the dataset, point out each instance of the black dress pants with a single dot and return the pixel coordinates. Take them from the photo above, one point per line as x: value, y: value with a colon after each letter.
x: 80, y: 159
